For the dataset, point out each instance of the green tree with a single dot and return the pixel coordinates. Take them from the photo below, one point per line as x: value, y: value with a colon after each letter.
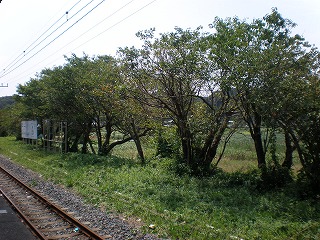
x: 274, y: 74
x: 235, y: 51
x: 86, y: 93
x: 61, y: 94
x: 8, y: 117
x: 302, y: 123
x: 6, y: 102
x: 263, y: 64
x: 286, y: 96
x: 114, y: 110
x: 173, y: 73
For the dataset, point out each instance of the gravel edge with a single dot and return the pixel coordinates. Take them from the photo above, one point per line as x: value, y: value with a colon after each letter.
x: 110, y: 224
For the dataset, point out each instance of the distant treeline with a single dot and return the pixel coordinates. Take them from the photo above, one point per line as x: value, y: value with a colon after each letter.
x: 6, y: 101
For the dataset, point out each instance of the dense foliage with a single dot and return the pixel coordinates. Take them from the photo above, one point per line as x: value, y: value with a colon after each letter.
x: 6, y: 102
x: 206, y: 85
x: 8, y: 116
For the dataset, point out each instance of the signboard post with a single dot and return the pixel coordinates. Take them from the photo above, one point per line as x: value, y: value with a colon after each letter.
x: 29, y: 130
x: 53, y: 137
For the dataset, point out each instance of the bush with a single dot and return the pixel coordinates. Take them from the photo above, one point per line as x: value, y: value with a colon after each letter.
x: 308, y: 186
x: 164, y: 148
x: 168, y: 143
x: 3, y: 133
x: 274, y: 176
x: 309, y: 177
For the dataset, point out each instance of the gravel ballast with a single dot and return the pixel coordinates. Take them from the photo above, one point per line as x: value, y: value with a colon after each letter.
x: 110, y: 224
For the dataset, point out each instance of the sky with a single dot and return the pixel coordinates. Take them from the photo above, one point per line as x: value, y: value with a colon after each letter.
x: 37, y: 34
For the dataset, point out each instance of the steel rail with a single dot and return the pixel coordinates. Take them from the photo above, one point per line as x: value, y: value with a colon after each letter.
x: 24, y: 217
x: 82, y: 228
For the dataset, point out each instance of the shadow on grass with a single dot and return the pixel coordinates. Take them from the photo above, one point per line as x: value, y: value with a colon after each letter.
x: 236, y: 195
x: 187, y: 207
x: 73, y: 161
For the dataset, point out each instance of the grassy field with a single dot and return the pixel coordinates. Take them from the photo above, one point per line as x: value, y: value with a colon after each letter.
x: 224, y: 206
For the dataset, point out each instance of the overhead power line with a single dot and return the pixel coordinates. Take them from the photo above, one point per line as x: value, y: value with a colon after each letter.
x: 109, y: 16
x: 25, y: 52
x: 56, y: 23
x: 117, y: 23
x: 54, y: 38
x: 18, y: 58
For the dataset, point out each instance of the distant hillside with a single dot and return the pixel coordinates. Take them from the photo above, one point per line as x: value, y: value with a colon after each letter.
x: 6, y: 102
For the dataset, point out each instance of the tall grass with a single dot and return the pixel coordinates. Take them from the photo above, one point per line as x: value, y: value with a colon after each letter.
x: 240, y: 153
x: 223, y: 206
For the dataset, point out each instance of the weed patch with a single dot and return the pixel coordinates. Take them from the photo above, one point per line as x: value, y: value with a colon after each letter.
x: 221, y: 206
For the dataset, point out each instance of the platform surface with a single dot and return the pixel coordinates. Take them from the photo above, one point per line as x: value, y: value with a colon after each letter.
x: 11, y: 226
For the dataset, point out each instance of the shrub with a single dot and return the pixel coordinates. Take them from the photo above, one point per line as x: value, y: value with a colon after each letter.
x: 274, y: 176
x: 308, y: 186
x: 168, y: 143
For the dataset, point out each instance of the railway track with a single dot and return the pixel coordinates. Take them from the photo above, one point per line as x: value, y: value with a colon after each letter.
x: 46, y: 219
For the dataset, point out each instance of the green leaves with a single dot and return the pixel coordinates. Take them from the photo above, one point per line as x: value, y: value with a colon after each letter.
x: 256, y: 70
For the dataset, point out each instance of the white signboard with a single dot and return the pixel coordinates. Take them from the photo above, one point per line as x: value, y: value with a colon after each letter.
x: 29, y: 129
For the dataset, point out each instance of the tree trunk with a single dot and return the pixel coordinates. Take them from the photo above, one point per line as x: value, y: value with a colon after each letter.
x: 257, y: 138
x: 84, y: 148
x: 87, y: 127
x: 211, y: 150
x: 288, y: 161
x: 139, y: 149
x: 91, y: 147
x: 105, y: 146
x: 186, y: 143
x: 204, y: 154
x: 109, y: 147
x: 98, y: 133
x: 137, y: 141
x: 74, y: 146
x: 255, y: 131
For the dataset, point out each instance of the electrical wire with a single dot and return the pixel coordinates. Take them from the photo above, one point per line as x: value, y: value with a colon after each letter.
x: 25, y: 53
x: 12, y: 63
x: 55, y: 24
x: 109, y: 16
x: 127, y: 17
x: 117, y: 23
x: 53, y: 39
x: 106, y: 18
x: 118, y: 10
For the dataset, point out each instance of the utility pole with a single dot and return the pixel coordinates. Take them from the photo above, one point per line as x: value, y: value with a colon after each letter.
x: 3, y: 85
